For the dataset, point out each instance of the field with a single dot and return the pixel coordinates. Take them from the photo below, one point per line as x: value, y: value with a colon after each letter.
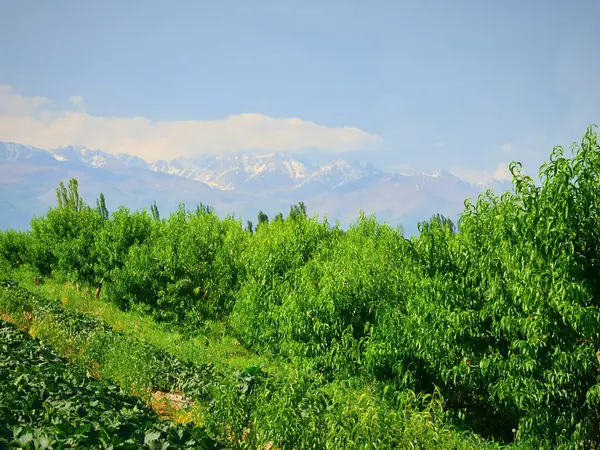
x: 299, y: 334
x: 48, y: 403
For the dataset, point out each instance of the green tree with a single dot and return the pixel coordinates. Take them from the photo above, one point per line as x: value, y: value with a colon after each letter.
x: 101, y: 207
x: 203, y: 209
x: 262, y: 219
x: 155, y: 213
x: 297, y: 211
x: 69, y: 198
x: 64, y: 239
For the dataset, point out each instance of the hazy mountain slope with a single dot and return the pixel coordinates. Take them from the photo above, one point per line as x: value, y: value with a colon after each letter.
x: 238, y: 183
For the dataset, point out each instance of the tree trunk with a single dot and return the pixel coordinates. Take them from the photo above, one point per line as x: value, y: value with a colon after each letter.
x: 99, y: 288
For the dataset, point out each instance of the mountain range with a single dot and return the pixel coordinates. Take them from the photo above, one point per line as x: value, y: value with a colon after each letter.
x: 237, y: 183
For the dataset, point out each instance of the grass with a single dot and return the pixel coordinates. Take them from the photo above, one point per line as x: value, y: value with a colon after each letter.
x: 213, y: 345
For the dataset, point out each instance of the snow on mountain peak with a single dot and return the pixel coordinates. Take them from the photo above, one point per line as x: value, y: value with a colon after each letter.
x: 73, y: 153
x: 250, y: 172
x: 11, y: 151
x: 132, y: 161
x: 276, y: 162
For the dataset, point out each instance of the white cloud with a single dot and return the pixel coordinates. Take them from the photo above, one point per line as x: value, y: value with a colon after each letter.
x: 153, y: 140
x: 500, y: 173
x: 508, y: 148
x: 77, y: 101
x: 16, y: 105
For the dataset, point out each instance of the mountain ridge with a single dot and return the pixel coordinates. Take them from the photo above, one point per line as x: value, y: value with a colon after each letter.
x: 238, y: 182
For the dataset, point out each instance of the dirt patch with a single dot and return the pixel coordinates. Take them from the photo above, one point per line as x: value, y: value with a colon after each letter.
x: 6, y: 317
x: 167, y: 404
x: 24, y: 324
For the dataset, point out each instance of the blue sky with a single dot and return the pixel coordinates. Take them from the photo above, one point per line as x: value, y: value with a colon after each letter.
x: 463, y: 86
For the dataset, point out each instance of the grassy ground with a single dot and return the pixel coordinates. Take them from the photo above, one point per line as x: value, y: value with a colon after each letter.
x: 211, y: 345
x: 286, y: 408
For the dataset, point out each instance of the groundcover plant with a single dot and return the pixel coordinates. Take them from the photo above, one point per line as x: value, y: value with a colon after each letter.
x: 45, y: 402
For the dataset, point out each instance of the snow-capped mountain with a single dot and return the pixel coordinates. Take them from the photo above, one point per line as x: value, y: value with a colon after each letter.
x: 238, y: 170
x: 11, y: 152
x: 273, y: 171
x: 240, y: 183
x: 93, y: 158
x: 131, y: 161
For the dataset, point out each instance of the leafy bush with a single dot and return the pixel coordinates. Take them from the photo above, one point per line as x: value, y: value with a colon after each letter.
x: 15, y: 247
x: 185, y: 270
